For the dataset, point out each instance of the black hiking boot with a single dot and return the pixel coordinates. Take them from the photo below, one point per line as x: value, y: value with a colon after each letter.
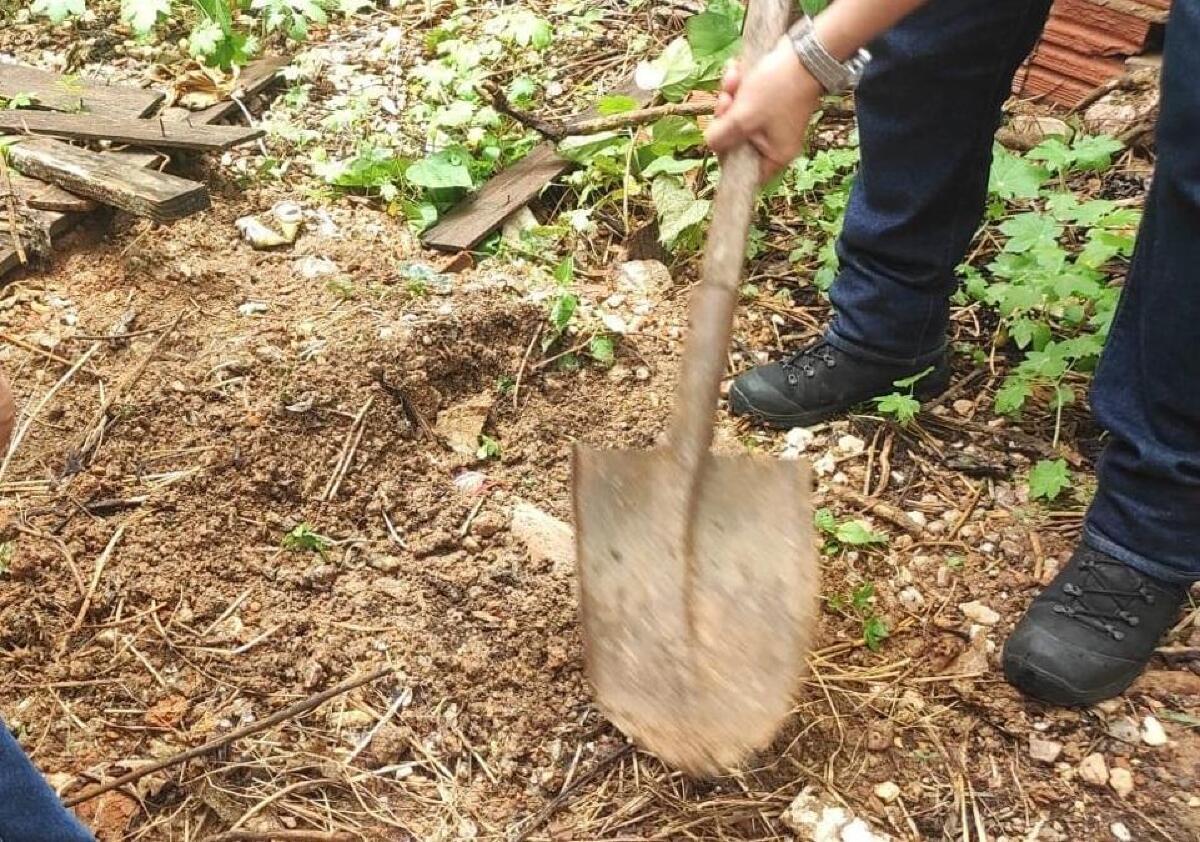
x: 1089, y: 634
x: 820, y: 381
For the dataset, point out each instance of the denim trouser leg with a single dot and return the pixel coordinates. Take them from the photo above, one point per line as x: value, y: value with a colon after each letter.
x: 927, y: 110
x: 29, y: 809
x: 1147, y: 390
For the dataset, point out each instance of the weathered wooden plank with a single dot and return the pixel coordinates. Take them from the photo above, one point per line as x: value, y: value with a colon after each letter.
x: 53, y: 222
x: 169, y: 134
x: 109, y: 179
x: 255, y: 78
x: 90, y: 96
x: 42, y: 196
x: 482, y: 212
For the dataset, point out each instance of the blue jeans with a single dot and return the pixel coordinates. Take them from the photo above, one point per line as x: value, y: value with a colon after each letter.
x: 29, y: 809
x: 927, y: 109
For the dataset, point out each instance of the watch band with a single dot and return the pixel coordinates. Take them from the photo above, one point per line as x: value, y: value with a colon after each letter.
x: 835, y: 76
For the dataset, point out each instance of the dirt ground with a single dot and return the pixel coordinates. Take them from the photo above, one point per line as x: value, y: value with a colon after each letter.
x: 152, y: 602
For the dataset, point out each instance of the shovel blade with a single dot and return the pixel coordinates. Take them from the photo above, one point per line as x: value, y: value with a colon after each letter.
x: 696, y: 620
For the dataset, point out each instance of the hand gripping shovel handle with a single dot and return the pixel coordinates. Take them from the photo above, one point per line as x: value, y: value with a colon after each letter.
x: 715, y: 299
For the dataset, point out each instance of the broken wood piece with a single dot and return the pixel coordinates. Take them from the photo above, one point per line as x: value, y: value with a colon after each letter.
x: 110, y: 180
x: 76, y: 93
x: 153, y: 132
x: 482, y: 212
x: 255, y: 78
x: 42, y: 196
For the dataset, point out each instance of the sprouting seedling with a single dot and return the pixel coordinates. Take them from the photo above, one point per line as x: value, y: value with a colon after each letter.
x: 304, y: 539
x: 901, y: 404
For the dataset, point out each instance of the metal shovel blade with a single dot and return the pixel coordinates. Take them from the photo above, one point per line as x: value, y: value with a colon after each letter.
x: 696, y: 615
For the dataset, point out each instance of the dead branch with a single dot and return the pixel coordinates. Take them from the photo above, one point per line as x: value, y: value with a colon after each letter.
x: 212, y: 745
x: 283, y: 836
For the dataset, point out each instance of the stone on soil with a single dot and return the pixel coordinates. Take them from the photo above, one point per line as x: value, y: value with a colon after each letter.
x: 545, y: 537
x: 979, y: 613
x: 1121, y: 781
x: 1125, y: 730
x: 814, y: 818
x: 1121, y: 832
x: 1153, y: 733
x: 887, y: 792
x: 1044, y: 751
x: 1093, y: 770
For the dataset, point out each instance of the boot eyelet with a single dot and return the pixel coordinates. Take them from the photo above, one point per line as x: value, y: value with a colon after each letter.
x: 792, y: 380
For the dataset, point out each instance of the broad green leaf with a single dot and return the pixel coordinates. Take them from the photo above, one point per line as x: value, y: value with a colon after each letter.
x: 1027, y: 231
x: 710, y: 33
x: 1054, y: 153
x: 1094, y: 153
x: 616, y: 104
x: 673, y: 67
x: 678, y: 208
x: 58, y: 10
x: 142, y: 15
x: 670, y: 165
x: 564, y: 272
x: 909, y: 382
x: 824, y: 520
x: 1011, y: 397
x: 858, y: 534
x: 1048, y: 479
x: 562, y: 310
x: 862, y: 596
x: 442, y: 170
x: 582, y: 149
x: 1102, y: 246
x: 675, y: 133
x: 1014, y: 178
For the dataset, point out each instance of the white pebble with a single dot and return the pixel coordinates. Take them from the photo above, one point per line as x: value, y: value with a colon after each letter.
x: 1153, y: 733
x: 1121, y: 781
x: 918, y: 517
x: 1121, y: 832
x: 887, y: 792
x: 911, y: 599
x: 851, y: 445
x: 980, y: 613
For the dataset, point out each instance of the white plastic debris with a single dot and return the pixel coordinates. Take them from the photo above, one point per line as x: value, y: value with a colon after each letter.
x: 826, y: 465
x: 289, y: 216
x: 258, y: 235
x: 816, y: 819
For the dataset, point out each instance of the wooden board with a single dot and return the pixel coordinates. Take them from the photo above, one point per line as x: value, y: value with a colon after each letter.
x: 255, y: 77
x: 132, y: 130
x: 109, y: 179
x: 89, y: 96
x: 508, y: 191
x: 42, y: 196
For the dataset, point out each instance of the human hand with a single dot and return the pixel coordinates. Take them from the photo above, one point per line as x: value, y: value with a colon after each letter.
x: 769, y: 108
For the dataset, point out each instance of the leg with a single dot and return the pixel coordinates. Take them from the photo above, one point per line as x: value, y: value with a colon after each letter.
x: 927, y: 112
x: 927, y: 109
x: 1092, y: 631
x: 29, y: 809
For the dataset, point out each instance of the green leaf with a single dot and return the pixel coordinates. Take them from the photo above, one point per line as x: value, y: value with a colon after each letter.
x: 1185, y: 719
x: 909, y: 382
x: 824, y: 521
x: 1095, y: 153
x: 442, y: 170
x: 670, y: 165
x: 710, y: 33
x: 522, y: 89
x: 58, y: 10
x: 142, y: 15
x: 858, y: 534
x: 616, y: 104
x: 489, y: 448
x: 1011, y: 397
x: 304, y: 539
x: 862, y: 596
x: 674, y: 67
x: 875, y: 631
x: 1056, y: 155
x: 1048, y: 479
x: 583, y: 149
x: 903, y: 408
x: 601, y: 350
x: 529, y: 30
x: 674, y: 133
x: 1014, y: 178
x: 1027, y: 231
x: 562, y: 310
x: 678, y: 208
x: 564, y: 272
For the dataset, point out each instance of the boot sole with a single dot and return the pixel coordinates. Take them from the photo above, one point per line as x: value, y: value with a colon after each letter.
x: 739, y: 405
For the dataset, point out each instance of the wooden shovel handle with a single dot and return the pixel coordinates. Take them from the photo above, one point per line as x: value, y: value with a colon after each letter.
x: 714, y: 300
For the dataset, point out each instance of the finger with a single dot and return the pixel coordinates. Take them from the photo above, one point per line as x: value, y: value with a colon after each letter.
x: 724, y: 103
x: 726, y: 133
x: 732, y: 78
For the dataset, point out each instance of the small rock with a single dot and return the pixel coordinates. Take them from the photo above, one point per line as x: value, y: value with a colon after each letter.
x: 825, y: 466
x: 546, y: 538
x: 1093, y: 770
x: 641, y: 373
x: 911, y: 599
x: 1044, y: 751
x: 1153, y: 733
x: 618, y: 372
x: 918, y: 517
x: 963, y: 406
x: 979, y: 613
x: 1121, y: 832
x: 460, y: 425
x: 1121, y: 781
x: 385, y: 563
x: 887, y: 792
x: 1110, y: 706
x: 1124, y: 729
x: 879, y: 736
x: 851, y: 445
x: 644, y: 278
x: 1049, y: 571
x: 517, y: 224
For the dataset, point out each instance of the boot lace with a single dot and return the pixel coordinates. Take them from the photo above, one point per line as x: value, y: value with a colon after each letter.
x: 1105, y: 597
x: 806, y: 360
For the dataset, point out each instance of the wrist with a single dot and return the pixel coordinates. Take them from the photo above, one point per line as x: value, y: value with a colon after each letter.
x: 805, y: 80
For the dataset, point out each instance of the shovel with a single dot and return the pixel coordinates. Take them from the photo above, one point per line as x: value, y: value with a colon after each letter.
x: 697, y: 573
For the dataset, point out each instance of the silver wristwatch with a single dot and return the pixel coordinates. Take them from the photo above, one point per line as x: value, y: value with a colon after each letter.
x: 835, y: 76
